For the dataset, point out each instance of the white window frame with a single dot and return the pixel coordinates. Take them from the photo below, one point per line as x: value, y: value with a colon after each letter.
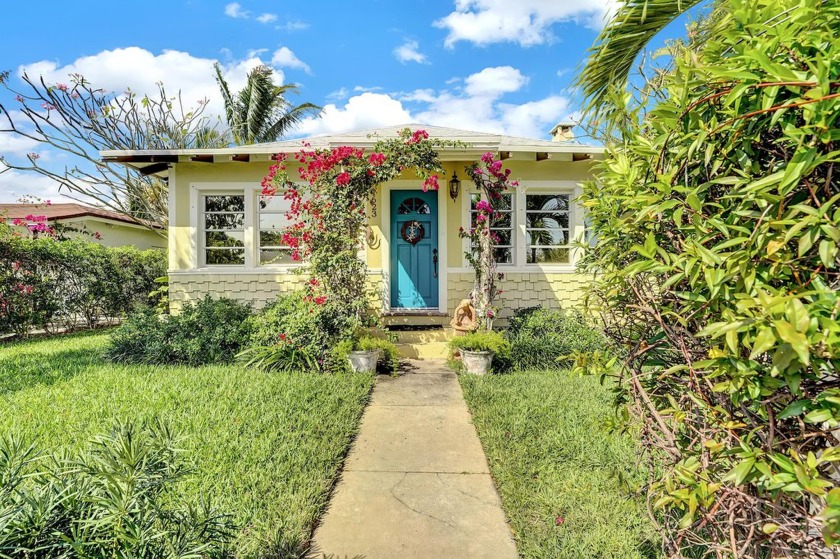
x: 202, y: 229
x: 526, y: 187
x: 251, y: 191
x: 569, y: 244
x: 257, y: 243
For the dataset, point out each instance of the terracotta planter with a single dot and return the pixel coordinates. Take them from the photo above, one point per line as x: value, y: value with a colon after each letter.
x: 477, y: 362
x: 363, y: 361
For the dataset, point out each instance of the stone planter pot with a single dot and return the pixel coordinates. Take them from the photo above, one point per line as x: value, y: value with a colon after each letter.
x: 363, y: 361
x: 477, y: 362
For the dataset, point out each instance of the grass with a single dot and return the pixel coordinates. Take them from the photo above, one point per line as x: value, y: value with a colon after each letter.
x: 265, y: 447
x: 554, y: 463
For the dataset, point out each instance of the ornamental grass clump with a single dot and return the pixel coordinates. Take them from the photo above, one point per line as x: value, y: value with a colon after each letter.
x: 716, y: 219
x: 112, y: 500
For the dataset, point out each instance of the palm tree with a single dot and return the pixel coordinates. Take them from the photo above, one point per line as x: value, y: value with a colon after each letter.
x: 260, y: 111
x: 632, y: 27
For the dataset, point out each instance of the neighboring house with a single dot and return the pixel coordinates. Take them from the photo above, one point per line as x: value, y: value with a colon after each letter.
x: 103, y: 226
x: 223, y: 235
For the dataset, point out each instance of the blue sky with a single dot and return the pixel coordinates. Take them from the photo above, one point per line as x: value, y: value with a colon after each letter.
x: 492, y: 65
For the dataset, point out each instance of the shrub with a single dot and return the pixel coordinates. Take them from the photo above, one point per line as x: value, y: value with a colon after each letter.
x: 295, y: 323
x: 541, y: 337
x: 715, y: 219
x: 209, y: 331
x: 46, y: 282
x: 112, y: 500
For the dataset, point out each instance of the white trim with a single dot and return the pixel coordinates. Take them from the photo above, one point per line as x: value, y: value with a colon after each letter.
x: 253, y: 272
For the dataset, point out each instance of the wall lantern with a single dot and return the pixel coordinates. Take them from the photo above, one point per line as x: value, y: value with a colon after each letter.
x: 454, y: 186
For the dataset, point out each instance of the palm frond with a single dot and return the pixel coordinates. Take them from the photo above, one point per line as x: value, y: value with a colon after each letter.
x: 610, y: 59
x: 230, y: 102
x: 289, y: 120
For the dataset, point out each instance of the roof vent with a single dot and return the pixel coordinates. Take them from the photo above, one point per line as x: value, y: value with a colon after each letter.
x: 563, y: 132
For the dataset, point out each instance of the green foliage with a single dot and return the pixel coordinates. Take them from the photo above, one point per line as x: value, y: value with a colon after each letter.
x: 110, y: 500
x: 295, y: 326
x: 208, y: 331
x: 47, y: 283
x: 266, y: 447
x: 569, y: 488
x: 482, y: 340
x: 716, y: 226
x: 541, y: 338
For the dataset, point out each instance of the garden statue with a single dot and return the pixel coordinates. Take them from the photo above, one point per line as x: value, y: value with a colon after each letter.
x: 464, y: 319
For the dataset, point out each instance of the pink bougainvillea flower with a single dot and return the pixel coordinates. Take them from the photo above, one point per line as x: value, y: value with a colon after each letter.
x: 342, y: 179
x: 376, y: 159
x: 559, y: 520
x: 431, y: 183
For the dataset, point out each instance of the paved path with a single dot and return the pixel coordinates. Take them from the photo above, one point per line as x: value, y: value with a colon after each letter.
x: 416, y: 483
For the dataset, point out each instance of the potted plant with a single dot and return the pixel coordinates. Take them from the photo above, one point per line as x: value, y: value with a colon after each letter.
x: 477, y: 350
x: 367, y: 351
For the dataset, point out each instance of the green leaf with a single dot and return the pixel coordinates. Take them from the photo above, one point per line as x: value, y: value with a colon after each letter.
x: 765, y: 340
x: 794, y: 409
x: 740, y: 472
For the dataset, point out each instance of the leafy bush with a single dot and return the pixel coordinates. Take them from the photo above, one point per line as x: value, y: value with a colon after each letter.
x: 209, y: 331
x: 113, y: 500
x: 298, y: 327
x: 716, y: 258
x: 47, y: 283
x: 540, y: 337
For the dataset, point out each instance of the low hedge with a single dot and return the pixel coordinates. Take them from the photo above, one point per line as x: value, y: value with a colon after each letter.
x: 47, y: 283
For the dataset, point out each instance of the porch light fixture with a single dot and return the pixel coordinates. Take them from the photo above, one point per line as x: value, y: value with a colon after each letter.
x: 454, y: 186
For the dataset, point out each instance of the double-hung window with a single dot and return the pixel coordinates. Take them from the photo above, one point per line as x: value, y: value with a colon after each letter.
x: 272, y: 219
x: 547, y: 228
x: 501, y: 227
x: 223, y: 220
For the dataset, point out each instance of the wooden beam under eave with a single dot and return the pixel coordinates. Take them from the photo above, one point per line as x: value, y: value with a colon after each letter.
x: 154, y: 168
x: 504, y: 155
x: 581, y: 156
x: 543, y: 156
x: 202, y: 158
x: 241, y: 157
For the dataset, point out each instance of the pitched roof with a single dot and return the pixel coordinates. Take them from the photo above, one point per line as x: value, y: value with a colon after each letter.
x: 65, y: 211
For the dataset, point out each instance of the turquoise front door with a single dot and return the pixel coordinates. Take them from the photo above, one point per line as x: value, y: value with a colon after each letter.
x: 414, y: 249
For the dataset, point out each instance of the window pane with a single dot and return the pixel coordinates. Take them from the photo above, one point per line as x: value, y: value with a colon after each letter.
x: 274, y: 222
x: 235, y: 203
x: 548, y: 255
x: 540, y: 220
x: 224, y: 239
x: 271, y: 239
x: 224, y: 221
x: 505, y: 203
x: 546, y: 237
x: 504, y: 255
x: 274, y: 204
x: 547, y: 202
x: 276, y: 256
x: 224, y: 256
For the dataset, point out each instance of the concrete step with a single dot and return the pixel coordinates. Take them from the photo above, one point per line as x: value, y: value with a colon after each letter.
x: 426, y: 350
x: 416, y: 319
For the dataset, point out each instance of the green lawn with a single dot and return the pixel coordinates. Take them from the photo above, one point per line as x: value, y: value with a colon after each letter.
x: 550, y: 458
x: 266, y: 447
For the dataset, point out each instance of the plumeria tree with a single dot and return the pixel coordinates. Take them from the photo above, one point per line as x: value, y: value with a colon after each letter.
x: 492, y: 180
x: 331, y: 209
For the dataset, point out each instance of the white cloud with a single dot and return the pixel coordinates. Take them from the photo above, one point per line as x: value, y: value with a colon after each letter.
x: 409, y: 51
x: 495, y: 81
x: 138, y: 69
x: 267, y: 18
x: 368, y: 110
x: 285, y: 58
x: 234, y: 10
x: 293, y: 25
x: 14, y: 185
x: 527, y: 22
x: 477, y: 106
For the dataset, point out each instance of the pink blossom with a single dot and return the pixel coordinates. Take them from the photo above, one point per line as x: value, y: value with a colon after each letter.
x: 343, y: 179
x: 61, y: 86
x: 431, y: 183
x: 484, y: 206
x: 376, y: 159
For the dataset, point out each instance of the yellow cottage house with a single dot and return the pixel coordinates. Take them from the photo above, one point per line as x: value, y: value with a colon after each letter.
x: 224, y: 241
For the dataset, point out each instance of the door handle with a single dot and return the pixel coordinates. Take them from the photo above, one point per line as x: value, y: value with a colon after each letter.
x: 435, y: 260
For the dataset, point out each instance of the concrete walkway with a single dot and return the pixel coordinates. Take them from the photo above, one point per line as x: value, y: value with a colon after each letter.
x: 416, y: 483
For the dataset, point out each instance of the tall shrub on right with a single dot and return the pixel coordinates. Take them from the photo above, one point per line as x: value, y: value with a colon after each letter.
x: 717, y: 222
